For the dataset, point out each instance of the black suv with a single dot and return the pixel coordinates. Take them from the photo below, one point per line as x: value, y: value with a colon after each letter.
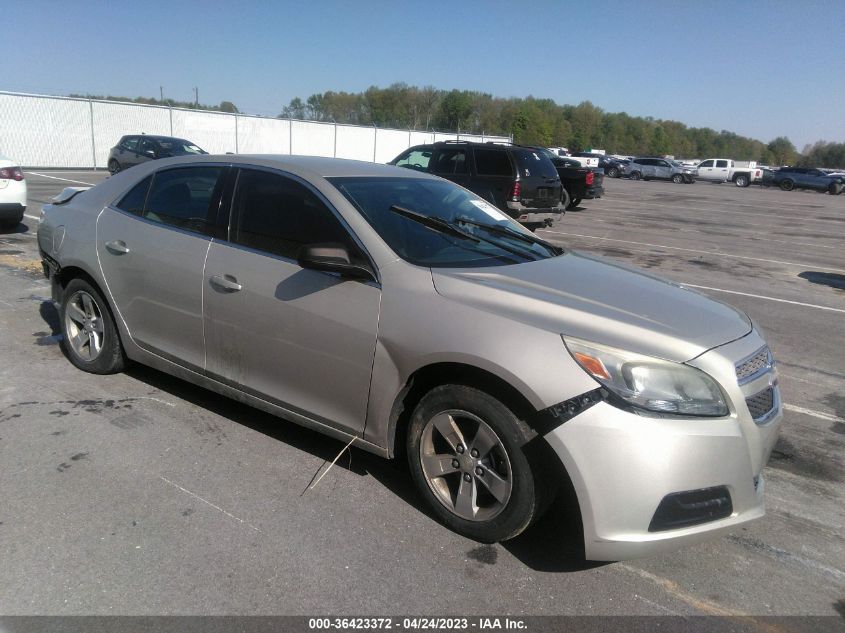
x: 139, y: 148
x: 789, y: 178
x: 520, y: 181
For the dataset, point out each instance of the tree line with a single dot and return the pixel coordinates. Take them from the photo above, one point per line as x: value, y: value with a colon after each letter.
x: 533, y: 121
x: 223, y: 106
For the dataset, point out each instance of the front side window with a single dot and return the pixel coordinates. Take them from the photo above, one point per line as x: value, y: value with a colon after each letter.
x: 278, y: 215
x: 182, y: 198
x: 148, y: 146
x: 707, y: 163
x: 415, y: 159
x: 450, y: 161
x: 492, y: 162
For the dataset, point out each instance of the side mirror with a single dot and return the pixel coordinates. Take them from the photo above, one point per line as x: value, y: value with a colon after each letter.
x: 150, y: 152
x: 332, y: 258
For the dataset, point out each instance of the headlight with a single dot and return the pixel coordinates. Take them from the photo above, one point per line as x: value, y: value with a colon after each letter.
x: 650, y: 383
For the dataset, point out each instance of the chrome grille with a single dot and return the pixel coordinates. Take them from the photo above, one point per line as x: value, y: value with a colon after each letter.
x: 756, y: 364
x: 761, y: 403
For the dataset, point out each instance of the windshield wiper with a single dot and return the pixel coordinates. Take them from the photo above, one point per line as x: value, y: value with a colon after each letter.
x: 503, y: 230
x: 433, y: 222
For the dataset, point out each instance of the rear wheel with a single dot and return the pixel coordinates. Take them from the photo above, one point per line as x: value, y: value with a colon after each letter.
x: 114, y: 166
x: 741, y: 180
x: 787, y: 184
x: 466, y: 458
x: 89, y: 335
x: 678, y: 179
x: 635, y: 175
x: 573, y: 204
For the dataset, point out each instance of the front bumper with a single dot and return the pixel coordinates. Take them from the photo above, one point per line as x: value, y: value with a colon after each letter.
x: 622, y: 465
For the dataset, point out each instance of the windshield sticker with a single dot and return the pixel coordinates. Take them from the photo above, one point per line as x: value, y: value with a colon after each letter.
x: 489, y: 209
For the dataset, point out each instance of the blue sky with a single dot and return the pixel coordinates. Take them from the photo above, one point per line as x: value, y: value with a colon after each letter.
x: 760, y: 69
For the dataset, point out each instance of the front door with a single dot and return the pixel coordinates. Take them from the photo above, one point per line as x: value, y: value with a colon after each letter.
x: 706, y: 170
x: 299, y: 338
x: 152, y: 246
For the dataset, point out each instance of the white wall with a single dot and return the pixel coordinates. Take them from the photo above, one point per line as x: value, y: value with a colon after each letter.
x: 42, y: 131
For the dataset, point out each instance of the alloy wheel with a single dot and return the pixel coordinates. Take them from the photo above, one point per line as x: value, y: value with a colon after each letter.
x: 466, y: 465
x: 84, y: 326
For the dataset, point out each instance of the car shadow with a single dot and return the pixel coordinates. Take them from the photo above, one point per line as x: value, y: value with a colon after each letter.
x: 21, y: 228
x: 824, y: 279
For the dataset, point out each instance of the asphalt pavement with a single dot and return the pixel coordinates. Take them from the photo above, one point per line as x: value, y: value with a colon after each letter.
x: 141, y: 494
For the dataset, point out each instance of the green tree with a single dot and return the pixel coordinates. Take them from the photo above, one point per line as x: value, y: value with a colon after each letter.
x: 783, y: 151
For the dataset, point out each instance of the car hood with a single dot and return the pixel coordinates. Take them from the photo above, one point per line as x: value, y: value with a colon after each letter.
x: 601, y: 301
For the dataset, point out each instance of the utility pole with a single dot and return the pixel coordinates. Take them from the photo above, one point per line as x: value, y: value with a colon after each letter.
x: 196, y: 96
x: 161, y: 92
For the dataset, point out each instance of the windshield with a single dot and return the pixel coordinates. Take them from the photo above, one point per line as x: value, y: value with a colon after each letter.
x: 429, y: 244
x: 534, y: 163
x: 178, y: 147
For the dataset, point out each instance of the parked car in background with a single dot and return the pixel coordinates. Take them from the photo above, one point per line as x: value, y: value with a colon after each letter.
x: 518, y: 180
x: 611, y: 166
x: 726, y: 170
x: 136, y: 149
x: 789, y: 178
x: 12, y: 193
x: 660, y: 169
x: 401, y: 312
x: 581, y: 183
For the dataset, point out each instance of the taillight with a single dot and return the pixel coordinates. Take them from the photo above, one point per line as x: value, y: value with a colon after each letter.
x: 11, y: 173
x: 516, y: 191
x: 591, y: 178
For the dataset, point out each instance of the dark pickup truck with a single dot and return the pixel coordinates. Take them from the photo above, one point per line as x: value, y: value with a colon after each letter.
x: 581, y: 183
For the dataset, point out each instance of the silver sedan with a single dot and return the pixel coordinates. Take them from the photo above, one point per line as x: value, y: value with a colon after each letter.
x: 400, y: 312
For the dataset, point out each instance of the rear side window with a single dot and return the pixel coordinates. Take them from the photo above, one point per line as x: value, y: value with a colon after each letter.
x: 533, y: 163
x: 278, y: 215
x: 721, y: 163
x: 450, y: 161
x: 182, y: 198
x: 130, y: 143
x: 491, y: 162
x: 415, y: 159
x: 133, y: 202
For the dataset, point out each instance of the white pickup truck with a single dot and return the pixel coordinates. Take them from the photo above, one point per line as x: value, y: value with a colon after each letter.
x: 741, y: 174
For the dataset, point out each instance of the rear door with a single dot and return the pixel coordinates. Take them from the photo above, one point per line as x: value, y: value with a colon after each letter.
x: 452, y: 163
x: 649, y: 168
x: 721, y: 170
x: 152, y: 245
x: 539, y: 181
x: 494, y: 175
x: 299, y: 338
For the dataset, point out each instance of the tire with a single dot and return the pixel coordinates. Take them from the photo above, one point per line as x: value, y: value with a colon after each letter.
x: 613, y: 172
x: 90, y: 339
x: 8, y: 225
x: 678, y: 179
x: 742, y: 180
x: 834, y: 189
x: 565, y: 198
x: 573, y: 204
x: 444, y: 431
x: 787, y: 184
x: 114, y: 166
x: 635, y: 175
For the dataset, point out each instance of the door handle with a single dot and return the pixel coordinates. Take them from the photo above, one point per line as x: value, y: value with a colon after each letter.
x: 225, y: 282
x: 117, y: 247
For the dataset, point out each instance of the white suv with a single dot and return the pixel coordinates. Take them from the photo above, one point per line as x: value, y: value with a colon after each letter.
x: 12, y: 193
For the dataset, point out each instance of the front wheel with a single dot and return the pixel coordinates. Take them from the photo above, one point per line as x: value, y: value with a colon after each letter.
x: 466, y: 459
x: 834, y: 189
x: 678, y: 179
x: 89, y: 335
x: 613, y: 172
x: 114, y: 167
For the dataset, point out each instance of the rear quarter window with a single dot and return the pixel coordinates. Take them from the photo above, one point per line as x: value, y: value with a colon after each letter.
x: 493, y: 162
x: 533, y: 164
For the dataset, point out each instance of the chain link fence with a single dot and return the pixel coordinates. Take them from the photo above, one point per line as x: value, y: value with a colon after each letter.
x: 66, y: 132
